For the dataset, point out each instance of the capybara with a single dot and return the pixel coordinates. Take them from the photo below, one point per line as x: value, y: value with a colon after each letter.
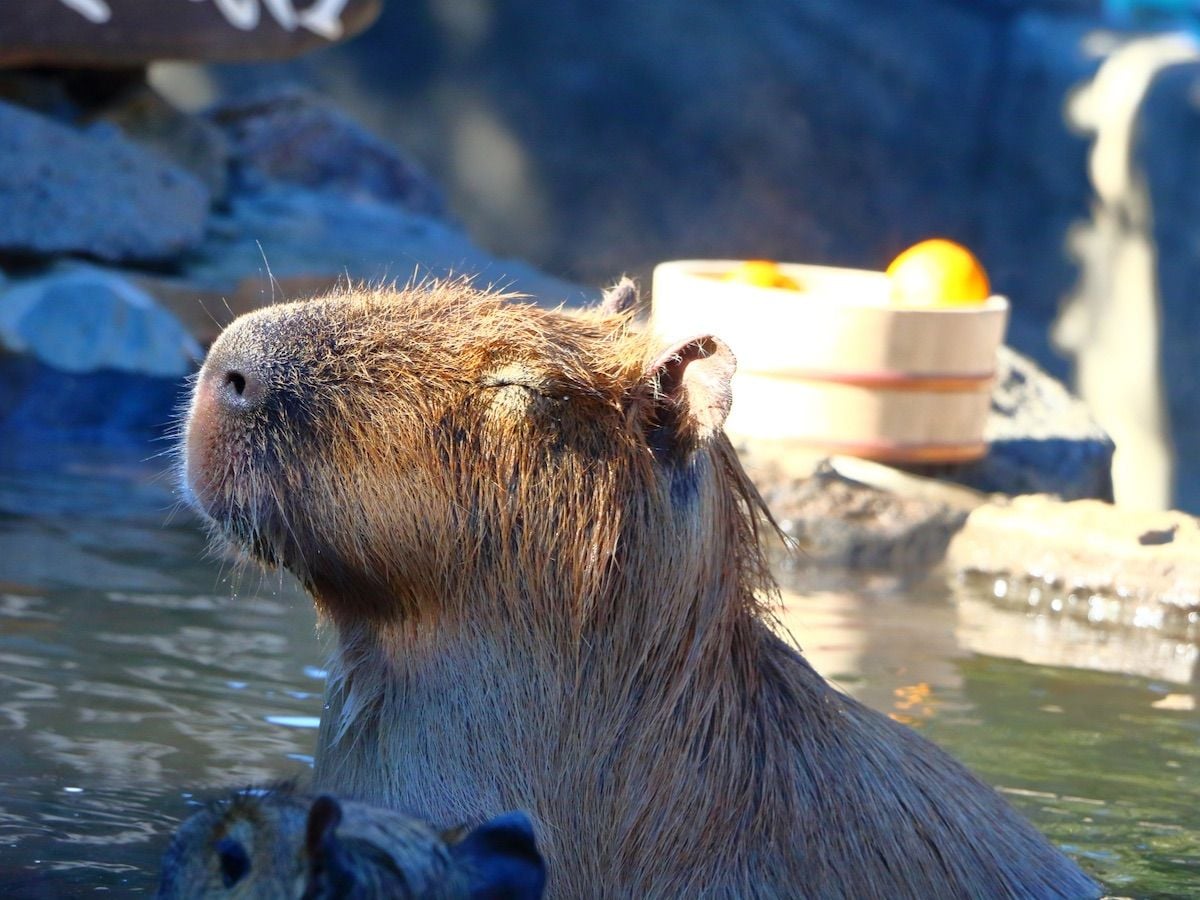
x: 543, y: 564
x: 278, y: 843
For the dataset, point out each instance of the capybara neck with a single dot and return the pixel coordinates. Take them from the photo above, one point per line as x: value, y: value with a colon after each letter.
x: 543, y: 562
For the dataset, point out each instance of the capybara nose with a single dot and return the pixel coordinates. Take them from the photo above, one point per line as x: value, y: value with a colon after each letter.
x: 237, y: 388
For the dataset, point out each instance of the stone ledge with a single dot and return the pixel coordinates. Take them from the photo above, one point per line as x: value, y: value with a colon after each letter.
x: 1084, y: 560
x: 1087, y: 549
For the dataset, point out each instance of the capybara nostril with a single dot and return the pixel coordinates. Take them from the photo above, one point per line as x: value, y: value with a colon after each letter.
x: 239, y: 388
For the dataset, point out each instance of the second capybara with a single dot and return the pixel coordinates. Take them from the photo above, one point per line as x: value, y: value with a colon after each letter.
x: 543, y: 563
x: 278, y: 843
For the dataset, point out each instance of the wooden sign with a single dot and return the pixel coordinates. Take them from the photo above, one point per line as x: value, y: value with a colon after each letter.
x: 82, y: 33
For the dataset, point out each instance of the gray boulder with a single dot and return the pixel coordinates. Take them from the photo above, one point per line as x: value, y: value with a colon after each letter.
x: 1041, y: 439
x: 295, y: 137
x: 92, y: 193
x: 842, y: 523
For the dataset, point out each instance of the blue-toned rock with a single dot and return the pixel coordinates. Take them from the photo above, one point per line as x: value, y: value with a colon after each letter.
x: 86, y: 355
x: 1167, y: 132
x: 1042, y: 439
x: 295, y: 137
x: 41, y: 406
x: 188, y: 141
x: 83, y: 319
x: 91, y: 192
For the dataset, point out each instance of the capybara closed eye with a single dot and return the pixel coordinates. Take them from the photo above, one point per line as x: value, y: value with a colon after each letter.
x: 542, y: 560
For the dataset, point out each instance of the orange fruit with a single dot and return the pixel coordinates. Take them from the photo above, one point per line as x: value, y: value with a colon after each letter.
x: 761, y: 273
x: 938, y: 272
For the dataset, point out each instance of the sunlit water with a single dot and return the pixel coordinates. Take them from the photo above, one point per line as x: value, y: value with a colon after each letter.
x: 136, y: 674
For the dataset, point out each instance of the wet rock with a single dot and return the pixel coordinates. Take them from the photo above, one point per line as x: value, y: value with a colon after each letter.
x: 1008, y: 627
x: 82, y: 319
x: 1088, y: 559
x: 295, y: 137
x: 91, y: 192
x: 841, y: 522
x: 1041, y: 439
x: 107, y: 33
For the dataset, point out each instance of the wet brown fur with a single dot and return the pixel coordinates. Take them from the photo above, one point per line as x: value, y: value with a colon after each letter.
x: 546, y: 578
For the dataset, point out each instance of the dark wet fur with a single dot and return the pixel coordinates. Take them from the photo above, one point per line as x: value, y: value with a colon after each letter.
x: 279, y: 843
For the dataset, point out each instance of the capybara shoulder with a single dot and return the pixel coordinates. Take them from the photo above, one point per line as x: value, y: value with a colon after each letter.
x: 277, y: 843
x: 543, y: 563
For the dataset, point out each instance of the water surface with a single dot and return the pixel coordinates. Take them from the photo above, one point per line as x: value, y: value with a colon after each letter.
x: 136, y: 673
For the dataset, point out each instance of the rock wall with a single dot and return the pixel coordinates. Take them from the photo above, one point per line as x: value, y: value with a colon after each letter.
x: 1166, y: 141
x: 131, y: 232
x: 748, y: 132
x: 621, y: 134
x: 836, y: 133
x: 70, y: 190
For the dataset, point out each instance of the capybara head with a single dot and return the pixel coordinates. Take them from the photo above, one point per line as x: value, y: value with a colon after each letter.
x: 247, y: 844
x: 276, y: 843
x: 399, y: 449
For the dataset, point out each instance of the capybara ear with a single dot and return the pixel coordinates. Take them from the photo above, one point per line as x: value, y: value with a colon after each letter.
x: 324, y: 816
x: 502, y: 859
x: 690, y: 384
x: 621, y: 298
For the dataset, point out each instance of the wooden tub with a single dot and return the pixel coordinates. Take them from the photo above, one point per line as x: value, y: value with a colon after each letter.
x: 836, y: 367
